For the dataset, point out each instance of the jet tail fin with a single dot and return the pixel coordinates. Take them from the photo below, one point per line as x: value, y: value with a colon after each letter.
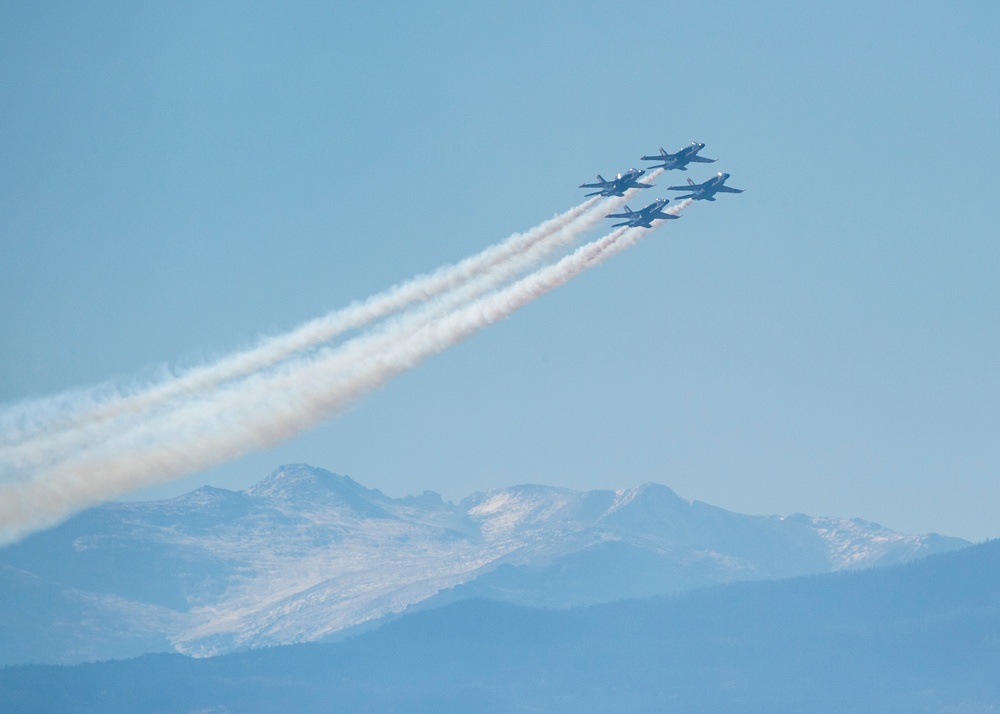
x: 690, y: 182
x: 601, y: 178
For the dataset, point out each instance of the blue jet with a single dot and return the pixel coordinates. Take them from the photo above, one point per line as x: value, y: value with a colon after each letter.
x: 681, y: 159
x: 644, y: 217
x: 618, y: 185
x: 706, y: 191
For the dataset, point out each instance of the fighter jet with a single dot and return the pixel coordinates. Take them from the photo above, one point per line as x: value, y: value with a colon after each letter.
x: 644, y: 217
x: 681, y: 159
x: 706, y: 191
x: 618, y: 185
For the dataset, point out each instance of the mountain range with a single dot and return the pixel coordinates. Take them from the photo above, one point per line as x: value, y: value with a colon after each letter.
x: 307, y: 555
x: 919, y: 637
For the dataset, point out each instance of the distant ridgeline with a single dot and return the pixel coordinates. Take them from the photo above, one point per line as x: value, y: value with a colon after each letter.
x: 306, y: 555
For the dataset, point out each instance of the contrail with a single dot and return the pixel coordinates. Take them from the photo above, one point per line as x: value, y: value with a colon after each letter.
x: 68, y: 430
x: 266, y: 408
x: 317, y: 331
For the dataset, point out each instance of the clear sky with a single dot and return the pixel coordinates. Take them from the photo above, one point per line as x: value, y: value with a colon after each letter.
x: 179, y: 179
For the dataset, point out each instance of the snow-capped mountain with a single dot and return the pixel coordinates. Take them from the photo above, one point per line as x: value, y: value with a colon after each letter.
x: 306, y: 554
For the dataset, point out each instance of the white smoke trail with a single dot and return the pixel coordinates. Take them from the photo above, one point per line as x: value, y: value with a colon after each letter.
x: 322, y: 329
x: 266, y: 408
x: 68, y: 430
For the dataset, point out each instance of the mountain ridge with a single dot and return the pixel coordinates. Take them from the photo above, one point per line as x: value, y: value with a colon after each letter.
x: 306, y: 554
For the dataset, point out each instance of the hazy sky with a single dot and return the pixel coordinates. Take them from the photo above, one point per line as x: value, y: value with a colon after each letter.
x: 179, y: 179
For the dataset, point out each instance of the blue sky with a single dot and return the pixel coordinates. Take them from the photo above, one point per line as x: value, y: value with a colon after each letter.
x: 181, y: 179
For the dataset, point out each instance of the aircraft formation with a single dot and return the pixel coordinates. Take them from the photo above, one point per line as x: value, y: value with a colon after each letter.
x: 644, y: 217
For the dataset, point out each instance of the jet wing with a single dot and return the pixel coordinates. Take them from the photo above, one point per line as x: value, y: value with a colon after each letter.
x: 658, y: 214
x: 702, y: 160
x: 727, y: 189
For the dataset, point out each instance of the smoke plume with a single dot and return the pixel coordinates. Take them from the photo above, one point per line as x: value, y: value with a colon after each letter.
x: 251, y: 408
